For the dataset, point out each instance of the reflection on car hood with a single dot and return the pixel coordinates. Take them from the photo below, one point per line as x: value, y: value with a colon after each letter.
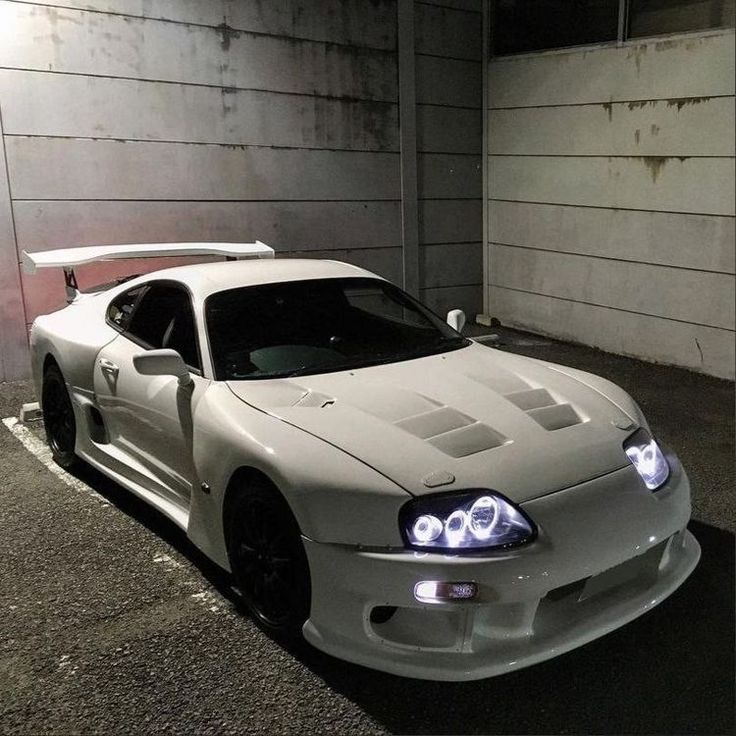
x: 486, y: 418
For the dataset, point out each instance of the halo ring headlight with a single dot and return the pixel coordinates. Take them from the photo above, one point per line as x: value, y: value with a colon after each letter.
x: 464, y: 522
x: 648, y: 459
x: 426, y: 528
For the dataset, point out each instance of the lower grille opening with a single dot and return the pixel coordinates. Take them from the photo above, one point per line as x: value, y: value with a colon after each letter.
x: 567, y: 590
x: 429, y: 627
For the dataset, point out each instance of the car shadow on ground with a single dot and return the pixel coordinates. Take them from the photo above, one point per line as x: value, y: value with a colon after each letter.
x: 668, y: 672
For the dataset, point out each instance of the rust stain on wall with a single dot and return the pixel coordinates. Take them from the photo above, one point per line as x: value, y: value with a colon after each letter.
x: 636, y: 53
x: 666, y: 45
x: 227, y: 33
x: 681, y: 102
x: 655, y: 164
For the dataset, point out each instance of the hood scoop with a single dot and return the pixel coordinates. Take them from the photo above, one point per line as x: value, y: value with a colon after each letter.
x: 540, y: 405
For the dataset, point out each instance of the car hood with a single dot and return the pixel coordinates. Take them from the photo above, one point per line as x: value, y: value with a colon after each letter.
x: 470, y: 418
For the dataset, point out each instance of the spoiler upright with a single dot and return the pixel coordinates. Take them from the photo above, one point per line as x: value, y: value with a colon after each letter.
x: 68, y: 258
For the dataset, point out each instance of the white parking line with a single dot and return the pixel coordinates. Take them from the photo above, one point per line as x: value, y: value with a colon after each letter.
x: 168, y: 563
x: 42, y: 453
x: 208, y: 599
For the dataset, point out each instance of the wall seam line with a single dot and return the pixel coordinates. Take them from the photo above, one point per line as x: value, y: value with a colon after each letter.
x: 607, y: 306
x: 611, y: 258
x: 193, y: 24
x: 205, y: 85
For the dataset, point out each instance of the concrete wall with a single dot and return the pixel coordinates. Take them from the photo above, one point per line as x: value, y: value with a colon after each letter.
x: 611, y: 197
x: 164, y: 120
x: 449, y: 144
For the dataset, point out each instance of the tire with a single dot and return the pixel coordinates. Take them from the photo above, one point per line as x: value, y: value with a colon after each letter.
x: 58, y: 418
x: 268, y: 560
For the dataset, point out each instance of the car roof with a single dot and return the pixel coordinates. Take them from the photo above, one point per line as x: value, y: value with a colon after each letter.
x: 204, y: 279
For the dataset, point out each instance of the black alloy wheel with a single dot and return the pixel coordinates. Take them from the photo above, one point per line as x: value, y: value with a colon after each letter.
x: 58, y: 418
x: 268, y: 560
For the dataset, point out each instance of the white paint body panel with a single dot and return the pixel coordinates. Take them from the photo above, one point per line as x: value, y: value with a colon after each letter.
x: 346, y: 467
x: 69, y: 257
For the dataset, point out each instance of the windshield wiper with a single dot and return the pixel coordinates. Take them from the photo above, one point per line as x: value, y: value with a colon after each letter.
x: 432, y: 348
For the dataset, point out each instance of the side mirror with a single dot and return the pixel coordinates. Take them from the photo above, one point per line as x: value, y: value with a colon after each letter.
x: 162, y: 362
x: 456, y: 319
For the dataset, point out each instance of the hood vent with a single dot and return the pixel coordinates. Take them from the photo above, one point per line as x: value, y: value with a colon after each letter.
x: 452, y: 432
x: 539, y: 404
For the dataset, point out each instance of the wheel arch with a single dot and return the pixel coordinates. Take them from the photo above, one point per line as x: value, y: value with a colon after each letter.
x: 239, y: 479
x: 49, y: 360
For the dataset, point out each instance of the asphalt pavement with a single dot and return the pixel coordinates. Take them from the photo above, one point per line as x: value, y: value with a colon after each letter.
x: 112, y: 622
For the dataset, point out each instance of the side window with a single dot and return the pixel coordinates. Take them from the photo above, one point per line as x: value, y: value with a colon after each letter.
x: 164, y: 319
x: 120, y: 309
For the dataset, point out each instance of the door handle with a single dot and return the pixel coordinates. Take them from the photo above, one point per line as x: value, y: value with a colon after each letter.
x: 108, y: 366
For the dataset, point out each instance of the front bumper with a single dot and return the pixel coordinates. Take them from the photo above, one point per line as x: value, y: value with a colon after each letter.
x: 608, y: 550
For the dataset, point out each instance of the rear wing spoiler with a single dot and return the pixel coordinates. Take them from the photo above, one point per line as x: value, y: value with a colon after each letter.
x: 68, y: 258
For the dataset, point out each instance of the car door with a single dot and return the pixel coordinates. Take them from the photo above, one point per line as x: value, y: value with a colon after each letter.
x: 149, y: 418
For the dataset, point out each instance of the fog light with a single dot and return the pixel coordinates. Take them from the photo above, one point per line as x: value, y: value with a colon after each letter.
x: 430, y: 591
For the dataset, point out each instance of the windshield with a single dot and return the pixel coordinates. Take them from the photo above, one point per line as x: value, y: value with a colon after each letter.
x: 318, y: 326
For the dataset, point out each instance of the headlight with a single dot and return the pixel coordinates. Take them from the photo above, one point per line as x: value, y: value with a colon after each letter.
x: 649, y: 461
x: 470, y: 520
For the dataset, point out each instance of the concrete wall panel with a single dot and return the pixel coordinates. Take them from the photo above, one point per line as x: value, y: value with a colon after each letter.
x: 449, y: 144
x: 661, y: 69
x: 353, y: 22
x: 450, y: 221
x: 451, y: 264
x: 449, y: 175
x: 473, y: 6
x: 658, y: 291
x: 442, y: 31
x: 13, y: 342
x: 449, y: 129
x: 695, y: 127
x: 78, y: 42
x: 701, y: 242
x: 166, y: 120
x: 448, y: 82
x: 670, y: 184
x: 612, y: 176
x: 442, y: 300
x: 297, y: 226
x: 130, y: 170
x: 46, y: 104
x: 704, y: 349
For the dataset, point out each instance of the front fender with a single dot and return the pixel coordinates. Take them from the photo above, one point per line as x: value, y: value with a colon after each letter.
x: 335, y: 497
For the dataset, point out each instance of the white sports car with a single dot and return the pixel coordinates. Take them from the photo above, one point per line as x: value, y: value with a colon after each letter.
x: 401, y: 496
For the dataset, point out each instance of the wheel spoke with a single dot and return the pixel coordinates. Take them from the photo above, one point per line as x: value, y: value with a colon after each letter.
x: 266, y: 559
